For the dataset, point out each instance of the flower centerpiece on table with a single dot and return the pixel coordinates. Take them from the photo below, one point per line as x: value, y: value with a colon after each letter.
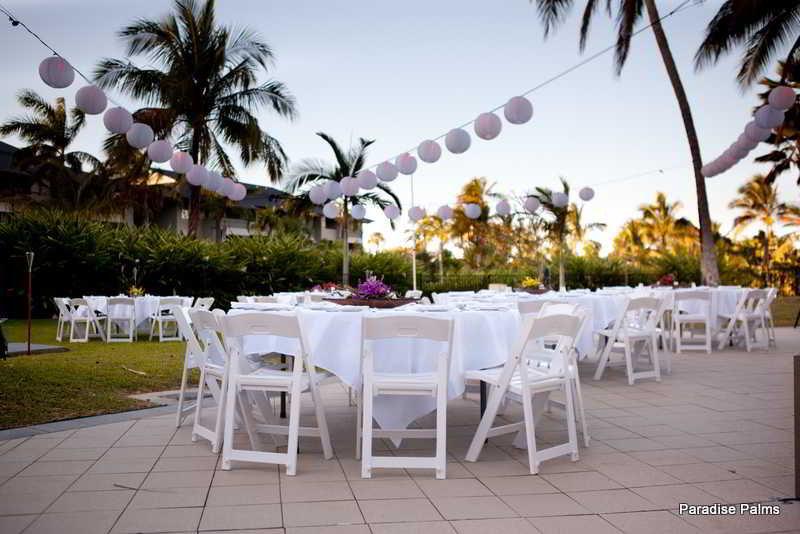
x: 532, y: 284
x: 135, y: 291
x: 375, y: 293
x: 668, y: 280
x: 372, y: 288
x: 333, y: 289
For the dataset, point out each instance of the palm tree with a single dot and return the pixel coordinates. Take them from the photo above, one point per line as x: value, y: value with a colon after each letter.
x: 50, y: 130
x: 763, y: 28
x: 376, y: 240
x: 629, y: 244
x: 629, y: 13
x: 347, y: 163
x: 579, y: 230
x: 758, y: 204
x: 556, y: 224
x: 433, y: 228
x: 201, y: 86
x: 474, y: 234
x: 659, y: 221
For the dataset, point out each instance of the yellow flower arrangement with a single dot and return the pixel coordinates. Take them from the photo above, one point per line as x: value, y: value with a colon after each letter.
x: 134, y: 291
x: 530, y: 282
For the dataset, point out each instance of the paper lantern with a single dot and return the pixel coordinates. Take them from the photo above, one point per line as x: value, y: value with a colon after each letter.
x: 560, y: 200
x: 181, y: 162
x: 197, y: 175
x: 768, y: 117
x: 429, y: 151
x: 406, y: 164
x: 117, y: 120
x: 91, y: 100
x: 487, y: 126
x: 532, y: 204
x: 416, y: 213
x: 386, y: 171
x: 755, y: 133
x: 391, y: 211
x: 349, y: 186
x: 518, y: 110
x: 457, y: 141
x: 239, y: 193
x: 139, y: 135
x: 473, y: 211
x: 56, y: 72
x: 358, y: 211
x: 331, y: 210
x: 228, y: 187
x: 746, y: 142
x: 159, y: 151
x: 318, y: 195
x: 215, y: 182
x: 586, y: 194
x: 445, y: 212
x: 782, y: 97
x: 707, y: 171
x: 367, y: 179
x: 503, y: 208
x: 333, y: 189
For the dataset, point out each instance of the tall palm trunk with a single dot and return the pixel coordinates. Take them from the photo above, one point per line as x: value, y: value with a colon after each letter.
x: 708, y: 262
x: 345, y: 247
x: 194, y: 190
x: 767, y: 255
x: 562, y: 279
x: 441, y: 260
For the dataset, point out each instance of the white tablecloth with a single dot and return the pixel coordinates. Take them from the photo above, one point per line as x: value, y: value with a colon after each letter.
x: 143, y: 307
x: 481, y: 339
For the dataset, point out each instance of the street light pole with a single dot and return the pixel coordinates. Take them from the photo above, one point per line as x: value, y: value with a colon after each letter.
x: 29, y: 259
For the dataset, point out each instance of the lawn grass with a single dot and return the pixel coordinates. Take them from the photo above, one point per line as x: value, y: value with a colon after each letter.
x: 784, y: 310
x: 90, y: 379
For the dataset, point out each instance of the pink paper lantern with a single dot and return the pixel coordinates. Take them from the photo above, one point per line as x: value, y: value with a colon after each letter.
x: 117, y: 120
x: 416, y: 214
x: 755, y: 133
x: 445, y: 212
x: 782, y: 97
x: 227, y: 187
x: 391, y: 211
x: 518, y: 110
x: 197, y: 175
x: 139, y: 135
x: 333, y: 189
x: 239, y: 193
x: 91, y: 100
x: 457, y: 141
x: 406, y: 164
x: 586, y: 194
x: 386, y: 171
x: 429, y: 151
x: 349, y: 186
x: 159, y: 151
x: 487, y: 126
x: 503, y: 208
x: 56, y: 72
x: 181, y: 162
x: 367, y: 179
x: 331, y: 210
x: 358, y: 212
x: 318, y: 195
x: 768, y: 117
x: 472, y: 211
x: 532, y: 204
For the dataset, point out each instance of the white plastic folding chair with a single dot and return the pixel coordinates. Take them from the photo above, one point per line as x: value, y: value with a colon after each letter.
x: 530, y: 369
x: 82, y: 312
x: 120, y: 320
x: 266, y: 300
x: 411, y: 328
x: 527, y: 307
x: 163, y: 317
x: 192, y: 359
x: 64, y: 316
x: 203, y: 303
x: 302, y: 378
x: 633, y: 330
x: 682, y: 318
x: 745, y: 322
x: 414, y: 294
x: 772, y: 294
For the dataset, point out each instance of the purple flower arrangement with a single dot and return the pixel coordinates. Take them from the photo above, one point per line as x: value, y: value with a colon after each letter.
x: 372, y: 288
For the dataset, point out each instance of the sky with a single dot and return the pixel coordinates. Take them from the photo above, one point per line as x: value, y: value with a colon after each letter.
x: 402, y: 72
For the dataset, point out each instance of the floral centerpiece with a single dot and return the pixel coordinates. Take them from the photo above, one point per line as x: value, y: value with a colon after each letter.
x: 135, y: 291
x: 531, y: 284
x: 668, y: 280
x: 375, y: 293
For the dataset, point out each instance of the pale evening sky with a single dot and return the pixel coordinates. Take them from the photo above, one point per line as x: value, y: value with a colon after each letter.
x: 401, y: 72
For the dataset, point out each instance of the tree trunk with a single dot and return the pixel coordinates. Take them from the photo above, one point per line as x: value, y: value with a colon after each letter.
x: 345, y: 248
x: 441, y: 261
x: 708, y: 262
x: 194, y: 190
x: 767, y: 256
x: 562, y: 279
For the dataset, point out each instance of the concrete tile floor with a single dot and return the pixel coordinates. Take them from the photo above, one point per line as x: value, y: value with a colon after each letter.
x: 719, y: 429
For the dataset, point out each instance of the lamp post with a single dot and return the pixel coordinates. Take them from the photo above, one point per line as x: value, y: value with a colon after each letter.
x: 29, y: 259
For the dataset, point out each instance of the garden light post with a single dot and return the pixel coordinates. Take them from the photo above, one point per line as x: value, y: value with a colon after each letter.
x: 414, y: 245
x: 29, y: 259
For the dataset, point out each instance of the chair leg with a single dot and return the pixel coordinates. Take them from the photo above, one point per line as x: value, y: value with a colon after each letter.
x: 319, y: 410
x: 441, y: 433
x: 654, y: 357
x: 359, y: 417
x: 604, y: 356
x: 629, y: 361
x: 294, y: 430
x: 579, y: 405
x: 227, y: 440
x: 198, y: 406
x: 571, y: 430
x: 530, y: 430
x: 182, y: 394
x: 487, y: 419
x: 220, y: 417
x: 366, y: 431
x: 152, y: 327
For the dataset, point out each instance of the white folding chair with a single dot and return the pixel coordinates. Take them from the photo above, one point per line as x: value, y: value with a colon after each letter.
x: 266, y: 300
x: 532, y: 368
x: 527, y: 307
x: 633, y: 330
x: 203, y: 303
x: 163, y: 317
x: 64, y: 316
x: 745, y: 322
x: 681, y: 318
x: 191, y: 360
x: 120, y: 319
x: 414, y: 294
x: 772, y: 294
x: 82, y: 312
x: 411, y: 329
x: 302, y: 378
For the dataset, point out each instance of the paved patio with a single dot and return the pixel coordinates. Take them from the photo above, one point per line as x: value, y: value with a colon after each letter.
x: 718, y: 430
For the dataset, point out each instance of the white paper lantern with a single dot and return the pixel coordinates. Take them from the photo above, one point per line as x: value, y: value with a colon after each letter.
x: 358, y: 211
x: 181, y: 162
x: 755, y: 133
x: 406, y: 164
x: 487, y: 126
x: 503, y: 208
x: 56, y: 72
x: 117, y: 120
x: 391, y: 211
x: 457, y: 141
x: 159, y: 151
x: 586, y: 194
x: 228, y: 187
x: 139, y: 135
x: 445, y: 212
x: 429, y: 151
x: 532, y: 204
x: 239, y: 193
x: 215, y: 182
x: 472, y: 211
x: 331, y: 210
x: 333, y: 189
x: 386, y: 171
x: 318, y: 195
x: 707, y: 171
x: 91, y: 100
x: 746, y: 142
x: 518, y: 110
x: 768, y: 117
x: 367, y: 179
x: 197, y: 175
x: 782, y: 97
x: 349, y: 186
x: 560, y: 200
x: 416, y: 213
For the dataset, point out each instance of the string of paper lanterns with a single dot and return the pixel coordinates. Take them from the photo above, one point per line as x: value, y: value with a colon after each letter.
x: 56, y: 72
x: 766, y: 118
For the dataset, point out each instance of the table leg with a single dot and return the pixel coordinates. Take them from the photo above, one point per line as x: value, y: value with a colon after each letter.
x: 283, y: 395
x: 483, y: 401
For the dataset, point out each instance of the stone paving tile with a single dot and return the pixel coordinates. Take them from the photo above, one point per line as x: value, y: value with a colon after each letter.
x: 494, y: 526
x: 88, y: 501
x: 396, y: 510
x: 657, y: 522
x: 241, y: 517
x: 135, y: 521
x: 322, y: 513
x: 570, y: 524
x: 421, y: 527
x: 14, y: 524
x: 385, y: 489
x: 96, y: 522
